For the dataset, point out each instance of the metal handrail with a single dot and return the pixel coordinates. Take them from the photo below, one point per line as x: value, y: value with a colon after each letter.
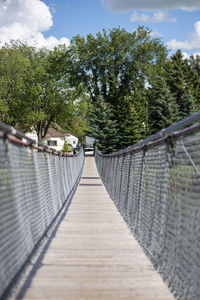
x: 8, y: 131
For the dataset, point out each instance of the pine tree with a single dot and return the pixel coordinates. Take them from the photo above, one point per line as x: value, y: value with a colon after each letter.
x: 103, y: 127
x: 194, y: 78
x: 188, y: 105
x: 179, y: 84
x: 129, y: 121
x: 162, y: 107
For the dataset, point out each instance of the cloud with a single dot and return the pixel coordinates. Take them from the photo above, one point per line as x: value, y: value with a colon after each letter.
x: 157, y: 17
x: 156, y: 34
x: 192, y: 43
x: 118, y: 6
x: 26, y: 20
x: 187, y: 56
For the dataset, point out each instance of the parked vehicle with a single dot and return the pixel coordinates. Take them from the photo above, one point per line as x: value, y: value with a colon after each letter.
x: 89, y: 151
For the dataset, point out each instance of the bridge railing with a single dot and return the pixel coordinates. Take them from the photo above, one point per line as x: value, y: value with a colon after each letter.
x: 155, y: 184
x: 36, y: 182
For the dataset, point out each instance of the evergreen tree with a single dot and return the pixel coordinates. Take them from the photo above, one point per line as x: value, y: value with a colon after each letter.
x: 103, y: 127
x: 188, y: 104
x: 162, y: 107
x: 180, y: 85
x: 194, y: 78
x: 129, y: 121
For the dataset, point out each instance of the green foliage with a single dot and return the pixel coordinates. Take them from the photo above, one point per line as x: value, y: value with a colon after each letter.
x: 129, y: 120
x: 116, y: 65
x: 118, y: 86
x: 65, y: 147
x: 103, y: 127
x: 77, y: 123
x: 179, y: 84
x: 113, y: 63
x: 15, y: 75
x: 194, y: 80
x: 162, y: 106
x: 188, y: 104
x: 33, y: 94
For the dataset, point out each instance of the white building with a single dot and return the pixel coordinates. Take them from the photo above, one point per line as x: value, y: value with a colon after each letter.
x: 32, y: 135
x: 56, y: 138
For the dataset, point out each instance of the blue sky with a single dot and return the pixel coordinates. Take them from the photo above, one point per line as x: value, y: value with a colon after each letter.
x: 50, y: 22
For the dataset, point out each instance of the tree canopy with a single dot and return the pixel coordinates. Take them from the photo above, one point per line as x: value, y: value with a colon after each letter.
x: 117, y: 65
x: 34, y: 94
x: 117, y: 86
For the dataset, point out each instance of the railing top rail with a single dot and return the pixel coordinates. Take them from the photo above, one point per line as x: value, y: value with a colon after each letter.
x: 164, y: 133
x: 7, y: 131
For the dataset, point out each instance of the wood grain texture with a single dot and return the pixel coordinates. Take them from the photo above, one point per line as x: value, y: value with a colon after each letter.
x: 94, y: 255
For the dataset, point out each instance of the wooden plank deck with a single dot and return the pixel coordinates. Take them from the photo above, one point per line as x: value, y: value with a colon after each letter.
x: 93, y: 254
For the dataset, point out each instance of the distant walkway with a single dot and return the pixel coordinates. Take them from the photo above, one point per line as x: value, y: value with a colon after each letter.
x: 94, y: 255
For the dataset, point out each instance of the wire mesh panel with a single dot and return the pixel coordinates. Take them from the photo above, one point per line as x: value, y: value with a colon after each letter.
x: 183, y: 223
x: 153, y: 199
x: 34, y: 186
x: 136, y: 169
x: 156, y: 187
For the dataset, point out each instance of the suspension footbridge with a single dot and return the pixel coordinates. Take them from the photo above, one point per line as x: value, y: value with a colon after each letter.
x: 112, y: 234
x: 93, y: 254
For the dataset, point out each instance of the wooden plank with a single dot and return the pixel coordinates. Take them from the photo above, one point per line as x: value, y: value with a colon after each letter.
x: 94, y: 255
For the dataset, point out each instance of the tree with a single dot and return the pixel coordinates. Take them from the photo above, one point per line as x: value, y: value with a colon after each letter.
x: 162, y: 107
x: 188, y: 104
x: 113, y: 63
x: 116, y: 65
x: 65, y: 147
x: 53, y: 104
x: 103, y: 127
x: 78, y: 123
x: 129, y: 120
x: 194, y: 79
x: 15, y: 76
x: 33, y: 94
x: 179, y: 84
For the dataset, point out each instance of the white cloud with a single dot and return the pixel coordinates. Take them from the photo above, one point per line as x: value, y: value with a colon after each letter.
x: 186, y: 55
x: 26, y: 20
x: 118, y: 6
x: 156, y: 34
x: 157, y: 17
x: 192, y: 43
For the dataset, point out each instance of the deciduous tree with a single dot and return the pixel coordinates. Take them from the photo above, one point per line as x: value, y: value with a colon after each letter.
x: 116, y: 65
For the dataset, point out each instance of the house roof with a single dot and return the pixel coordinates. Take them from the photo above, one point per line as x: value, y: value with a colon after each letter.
x: 58, y: 131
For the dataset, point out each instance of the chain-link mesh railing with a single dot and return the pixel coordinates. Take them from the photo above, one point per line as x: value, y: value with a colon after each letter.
x: 35, y: 183
x: 156, y: 186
